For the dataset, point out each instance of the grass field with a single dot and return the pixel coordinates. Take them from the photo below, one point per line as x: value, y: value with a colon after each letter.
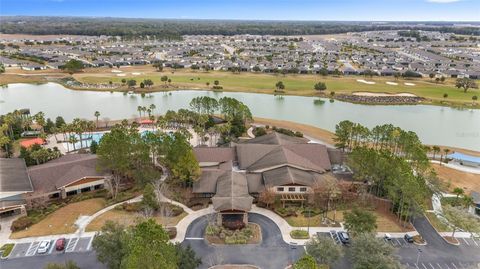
x: 62, y: 221
x: 454, y: 178
x: 294, y: 84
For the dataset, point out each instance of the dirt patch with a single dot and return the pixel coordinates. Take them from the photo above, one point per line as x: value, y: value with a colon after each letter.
x: 308, y: 130
x: 451, y: 240
x: 453, y: 178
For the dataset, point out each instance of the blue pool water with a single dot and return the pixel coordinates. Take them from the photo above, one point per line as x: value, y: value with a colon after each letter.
x: 88, y: 138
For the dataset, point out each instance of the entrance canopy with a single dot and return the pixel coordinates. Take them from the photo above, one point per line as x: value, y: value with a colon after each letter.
x: 232, y: 193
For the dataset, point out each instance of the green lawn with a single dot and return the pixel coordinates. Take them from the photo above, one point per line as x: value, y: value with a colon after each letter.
x: 294, y: 84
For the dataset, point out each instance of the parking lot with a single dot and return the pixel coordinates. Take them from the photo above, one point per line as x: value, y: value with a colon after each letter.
x: 76, y: 244
x: 440, y: 265
x: 469, y: 242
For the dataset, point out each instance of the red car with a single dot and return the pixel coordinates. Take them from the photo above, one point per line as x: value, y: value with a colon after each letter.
x: 60, y: 244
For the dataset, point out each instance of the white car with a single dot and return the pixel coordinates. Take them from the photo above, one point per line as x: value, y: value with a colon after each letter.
x: 43, y: 247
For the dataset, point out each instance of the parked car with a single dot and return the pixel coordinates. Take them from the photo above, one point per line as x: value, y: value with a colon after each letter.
x: 43, y: 247
x: 408, y: 238
x: 60, y: 244
x: 344, y: 238
x: 387, y: 237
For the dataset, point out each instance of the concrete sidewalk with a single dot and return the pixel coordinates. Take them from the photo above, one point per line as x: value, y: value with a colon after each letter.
x: 459, y: 167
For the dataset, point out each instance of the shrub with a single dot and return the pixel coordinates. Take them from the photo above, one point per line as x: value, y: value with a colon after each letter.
x: 21, y: 223
x: 259, y: 131
x: 172, y: 232
x: 299, y: 234
x: 211, y: 230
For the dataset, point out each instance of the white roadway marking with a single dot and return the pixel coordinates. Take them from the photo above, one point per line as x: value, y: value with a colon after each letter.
x: 193, y: 238
x: 52, y: 246
x: 424, y: 265
x: 446, y: 264
x: 439, y: 265
x: 466, y: 242
x: 454, y: 265
x: 90, y: 243
x: 473, y: 239
x: 431, y: 265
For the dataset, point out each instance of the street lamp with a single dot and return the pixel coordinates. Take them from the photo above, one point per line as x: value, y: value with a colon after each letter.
x: 418, y: 256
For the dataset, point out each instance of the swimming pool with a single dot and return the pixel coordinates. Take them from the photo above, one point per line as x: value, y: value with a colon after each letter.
x: 87, y: 139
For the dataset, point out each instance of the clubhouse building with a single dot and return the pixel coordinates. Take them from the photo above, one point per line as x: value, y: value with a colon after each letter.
x: 235, y: 176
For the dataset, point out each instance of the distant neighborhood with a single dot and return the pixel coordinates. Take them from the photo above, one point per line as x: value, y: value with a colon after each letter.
x: 385, y: 53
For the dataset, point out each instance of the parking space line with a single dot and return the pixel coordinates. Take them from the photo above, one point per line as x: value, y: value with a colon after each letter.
x: 473, y: 239
x: 52, y: 246
x: 431, y: 265
x: 454, y: 265
x: 416, y: 266
x: 32, y: 249
x: 424, y: 266
x: 466, y: 242
x: 90, y: 243
x: 446, y: 264
x: 439, y: 265
x: 398, y: 241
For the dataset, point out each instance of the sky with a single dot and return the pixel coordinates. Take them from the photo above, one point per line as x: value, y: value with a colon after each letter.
x: 348, y: 10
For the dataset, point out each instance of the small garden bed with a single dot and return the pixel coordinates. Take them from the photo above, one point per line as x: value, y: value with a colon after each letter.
x: 451, y: 240
x: 6, y: 249
x: 251, y: 234
x: 299, y: 234
x: 418, y: 239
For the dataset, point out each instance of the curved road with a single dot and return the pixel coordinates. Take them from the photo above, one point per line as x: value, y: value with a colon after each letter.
x: 437, y: 250
x: 271, y: 253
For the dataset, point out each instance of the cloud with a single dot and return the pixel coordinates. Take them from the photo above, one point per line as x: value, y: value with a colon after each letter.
x: 443, y: 1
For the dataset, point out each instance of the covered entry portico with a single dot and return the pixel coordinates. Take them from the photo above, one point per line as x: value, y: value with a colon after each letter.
x: 232, y: 200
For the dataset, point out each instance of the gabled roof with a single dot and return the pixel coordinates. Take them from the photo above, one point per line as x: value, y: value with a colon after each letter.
x: 232, y: 193
x: 275, y: 138
x: 63, y: 171
x: 263, y: 157
x: 14, y: 176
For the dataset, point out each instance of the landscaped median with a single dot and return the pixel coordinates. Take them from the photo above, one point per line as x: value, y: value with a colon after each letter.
x: 6, y: 249
x: 440, y: 227
x: 250, y: 234
x: 299, y: 234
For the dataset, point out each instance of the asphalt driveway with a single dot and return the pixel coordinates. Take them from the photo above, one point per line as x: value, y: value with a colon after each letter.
x: 271, y: 253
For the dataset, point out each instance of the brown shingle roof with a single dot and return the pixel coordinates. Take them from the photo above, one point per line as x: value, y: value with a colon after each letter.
x: 205, y: 154
x: 14, y: 176
x: 275, y: 138
x: 232, y: 193
x: 65, y: 170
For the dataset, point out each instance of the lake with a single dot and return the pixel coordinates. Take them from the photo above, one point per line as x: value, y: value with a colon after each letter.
x: 434, y: 124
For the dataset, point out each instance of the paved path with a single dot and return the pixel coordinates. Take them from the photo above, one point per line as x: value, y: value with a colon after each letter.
x: 250, y: 132
x: 83, y: 221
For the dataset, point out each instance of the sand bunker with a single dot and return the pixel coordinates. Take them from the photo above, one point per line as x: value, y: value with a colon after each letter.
x: 365, y: 82
x: 409, y: 84
x: 120, y: 75
x: 391, y: 83
x: 116, y: 71
x: 383, y: 94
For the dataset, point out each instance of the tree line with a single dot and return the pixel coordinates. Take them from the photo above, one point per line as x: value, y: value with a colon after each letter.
x: 170, y: 29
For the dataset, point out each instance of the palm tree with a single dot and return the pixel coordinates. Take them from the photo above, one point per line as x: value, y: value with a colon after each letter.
x: 139, y: 109
x: 97, y: 114
x: 152, y: 108
x: 446, y: 153
x: 435, y: 149
x: 73, y: 139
